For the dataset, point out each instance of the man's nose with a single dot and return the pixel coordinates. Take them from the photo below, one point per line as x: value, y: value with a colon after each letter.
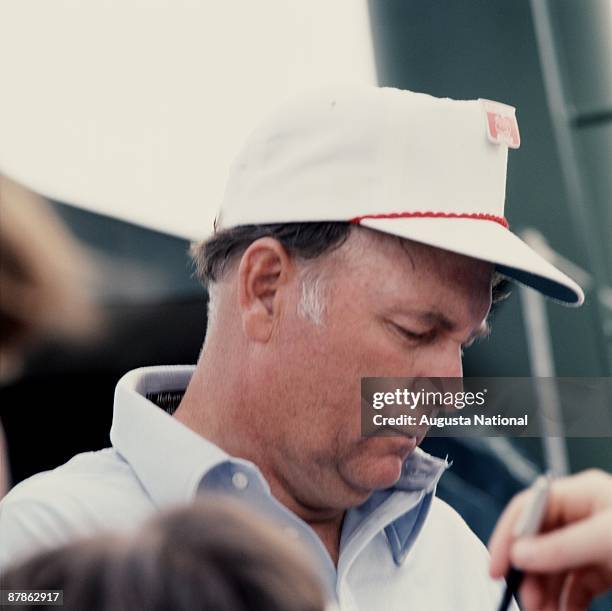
x: 444, y: 361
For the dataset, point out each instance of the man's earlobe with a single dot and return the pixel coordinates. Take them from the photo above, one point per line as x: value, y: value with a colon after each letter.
x: 263, y: 271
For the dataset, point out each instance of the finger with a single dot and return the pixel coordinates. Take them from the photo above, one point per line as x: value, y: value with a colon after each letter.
x: 581, y: 543
x: 554, y: 591
x: 577, y: 497
x: 574, y: 596
x: 583, y: 587
x: 532, y: 593
x: 541, y: 592
x: 570, y: 499
x: 502, y: 537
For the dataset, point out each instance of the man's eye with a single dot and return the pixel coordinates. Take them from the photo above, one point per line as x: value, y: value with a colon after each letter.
x: 413, y: 336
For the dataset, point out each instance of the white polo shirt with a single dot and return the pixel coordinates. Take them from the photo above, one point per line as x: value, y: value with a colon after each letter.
x: 403, y: 548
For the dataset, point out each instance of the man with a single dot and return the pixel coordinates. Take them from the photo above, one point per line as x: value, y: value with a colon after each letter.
x: 359, y: 236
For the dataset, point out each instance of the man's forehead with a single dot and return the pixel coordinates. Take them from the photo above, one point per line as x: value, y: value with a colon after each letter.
x: 440, y: 288
x: 445, y: 261
x: 408, y: 255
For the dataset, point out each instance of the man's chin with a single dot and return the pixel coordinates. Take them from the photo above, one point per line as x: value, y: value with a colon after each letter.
x: 388, y: 471
x: 382, y: 463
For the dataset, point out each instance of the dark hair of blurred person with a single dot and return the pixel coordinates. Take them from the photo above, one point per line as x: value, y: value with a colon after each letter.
x: 211, y: 555
x: 41, y: 288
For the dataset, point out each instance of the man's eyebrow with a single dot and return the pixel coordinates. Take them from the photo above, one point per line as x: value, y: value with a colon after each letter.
x: 434, y: 318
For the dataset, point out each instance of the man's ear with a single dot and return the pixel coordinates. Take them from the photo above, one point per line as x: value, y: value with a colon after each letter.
x: 265, y: 268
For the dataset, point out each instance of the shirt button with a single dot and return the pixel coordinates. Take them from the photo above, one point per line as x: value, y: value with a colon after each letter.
x: 240, y: 480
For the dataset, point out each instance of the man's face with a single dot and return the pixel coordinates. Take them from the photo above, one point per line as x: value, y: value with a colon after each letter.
x: 391, y: 309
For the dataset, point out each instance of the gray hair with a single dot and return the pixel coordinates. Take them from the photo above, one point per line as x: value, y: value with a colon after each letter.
x: 312, y: 303
x: 306, y: 242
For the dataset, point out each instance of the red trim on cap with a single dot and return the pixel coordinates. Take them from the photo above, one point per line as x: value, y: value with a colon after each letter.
x: 479, y: 216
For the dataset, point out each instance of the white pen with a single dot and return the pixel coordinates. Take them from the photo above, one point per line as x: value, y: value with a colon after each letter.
x: 529, y: 523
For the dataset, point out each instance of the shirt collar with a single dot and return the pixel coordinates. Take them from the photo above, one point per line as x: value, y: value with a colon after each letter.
x: 421, y: 473
x: 171, y: 460
x: 168, y: 458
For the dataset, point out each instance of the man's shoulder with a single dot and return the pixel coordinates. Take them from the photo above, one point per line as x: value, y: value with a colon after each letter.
x: 449, y: 516
x: 445, y: 523
x: 93, y: 491
x: 465, y: 555
x: 87, y: 476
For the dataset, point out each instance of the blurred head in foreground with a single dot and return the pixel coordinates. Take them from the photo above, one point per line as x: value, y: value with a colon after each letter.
x: 211, y: 556
x: 41, y: 288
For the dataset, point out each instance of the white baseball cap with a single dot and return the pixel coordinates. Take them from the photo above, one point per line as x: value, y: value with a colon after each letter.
x: 428, y: 169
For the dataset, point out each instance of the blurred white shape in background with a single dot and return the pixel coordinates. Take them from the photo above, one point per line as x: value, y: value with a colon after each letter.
x: 136, y: 108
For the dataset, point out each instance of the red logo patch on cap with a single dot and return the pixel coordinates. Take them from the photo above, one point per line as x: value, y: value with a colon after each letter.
x: 502, y: 126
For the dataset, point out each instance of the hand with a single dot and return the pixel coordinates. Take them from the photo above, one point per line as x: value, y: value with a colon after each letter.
x: 570, y: 561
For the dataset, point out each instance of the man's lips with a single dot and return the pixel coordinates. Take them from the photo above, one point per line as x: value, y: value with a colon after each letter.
x: 414, y: 432
x: 401, y: 445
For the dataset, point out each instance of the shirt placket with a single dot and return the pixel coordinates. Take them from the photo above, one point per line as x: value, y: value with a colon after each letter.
x: 390, y: 510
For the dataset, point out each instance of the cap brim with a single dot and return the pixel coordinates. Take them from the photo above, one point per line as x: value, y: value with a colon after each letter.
x: 487, y: 241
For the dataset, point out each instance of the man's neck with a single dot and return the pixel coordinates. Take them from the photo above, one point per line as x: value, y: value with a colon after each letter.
x: 326, y: 523
x: 202, y: 419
